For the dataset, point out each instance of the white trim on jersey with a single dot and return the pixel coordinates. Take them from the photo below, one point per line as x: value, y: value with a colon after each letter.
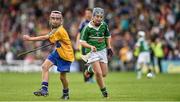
x: 82, y: 41
x: 108, y: 36
x: 91, y: 26
x: 95, y: 37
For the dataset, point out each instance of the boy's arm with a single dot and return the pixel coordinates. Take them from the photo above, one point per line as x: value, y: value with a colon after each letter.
x: 38, y: 38
x: 108, y: 42
x: 107, y: 37
x: 109, y: 49
x: 86, y: 45
x: 84, y: 38
x: 77, y: 41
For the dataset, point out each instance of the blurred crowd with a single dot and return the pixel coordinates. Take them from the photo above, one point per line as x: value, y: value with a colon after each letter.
x: 160, y: 19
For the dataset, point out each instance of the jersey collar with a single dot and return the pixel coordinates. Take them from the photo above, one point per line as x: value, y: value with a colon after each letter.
x: 91, y: 26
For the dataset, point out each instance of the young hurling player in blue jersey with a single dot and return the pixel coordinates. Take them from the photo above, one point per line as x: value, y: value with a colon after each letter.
x: 61, y: 56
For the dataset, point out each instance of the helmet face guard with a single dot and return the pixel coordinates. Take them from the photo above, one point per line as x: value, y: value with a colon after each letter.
x: 98, y: 15
x: 56, y: 14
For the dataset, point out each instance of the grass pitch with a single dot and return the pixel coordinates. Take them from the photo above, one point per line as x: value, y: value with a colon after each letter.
x: 121, y: 86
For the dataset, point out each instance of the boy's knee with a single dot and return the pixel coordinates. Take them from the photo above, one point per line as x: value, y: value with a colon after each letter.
x: 44, y: 67
x: 62, y: 77
x: 105, y: 74
x: 98, y: 74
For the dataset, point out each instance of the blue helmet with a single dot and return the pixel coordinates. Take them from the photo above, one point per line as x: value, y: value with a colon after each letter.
x: 98, y: 11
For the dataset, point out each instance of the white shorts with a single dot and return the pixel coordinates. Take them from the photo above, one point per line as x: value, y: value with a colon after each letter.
x: 98, y: 56
x: 144, y: 57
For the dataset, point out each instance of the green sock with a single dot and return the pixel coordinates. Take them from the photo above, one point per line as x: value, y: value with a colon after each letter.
x: 90, y: 69
x: 103, y: 90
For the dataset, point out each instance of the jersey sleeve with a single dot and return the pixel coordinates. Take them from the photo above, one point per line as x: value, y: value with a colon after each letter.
x: 84, y: 34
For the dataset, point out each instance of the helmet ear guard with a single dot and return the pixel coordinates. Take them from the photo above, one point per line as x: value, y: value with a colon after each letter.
x: 98, y: 11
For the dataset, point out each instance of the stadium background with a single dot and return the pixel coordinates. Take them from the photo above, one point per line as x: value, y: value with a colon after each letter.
x: 159, y: 18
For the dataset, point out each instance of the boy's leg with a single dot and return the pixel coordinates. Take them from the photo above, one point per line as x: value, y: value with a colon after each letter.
x: 138, y: 69
x: 98, y: 74
x: 64, y: 81
x: 99, y: 77
x: 83, y: 68
x: 140, y: 63
x: 104, y: 69
x: 45, y: 75
x: 150, y: 70
x: 88, y: 73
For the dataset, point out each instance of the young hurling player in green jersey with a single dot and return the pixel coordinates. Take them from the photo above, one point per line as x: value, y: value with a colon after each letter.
x: 144, y: 54
x: 95, y: 37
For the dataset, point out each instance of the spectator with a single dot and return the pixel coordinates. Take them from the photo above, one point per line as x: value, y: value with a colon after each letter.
x: 30, y: 17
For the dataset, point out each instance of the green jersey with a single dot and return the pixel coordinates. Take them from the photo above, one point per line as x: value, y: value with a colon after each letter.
x: 95, y: 36
x: 142, y: 44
